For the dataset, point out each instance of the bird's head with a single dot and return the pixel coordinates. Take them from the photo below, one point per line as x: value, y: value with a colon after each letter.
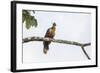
x: 54, y: 24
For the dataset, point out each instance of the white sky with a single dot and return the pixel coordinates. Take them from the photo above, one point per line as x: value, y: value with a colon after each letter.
x: 70, y: 26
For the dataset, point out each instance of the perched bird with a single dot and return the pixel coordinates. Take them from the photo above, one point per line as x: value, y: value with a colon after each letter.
x: 49, y: 34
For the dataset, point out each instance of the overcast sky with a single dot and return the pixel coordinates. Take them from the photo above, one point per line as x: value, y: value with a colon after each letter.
x: 70, y: 26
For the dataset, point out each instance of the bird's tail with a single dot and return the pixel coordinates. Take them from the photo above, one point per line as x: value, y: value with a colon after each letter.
x: 46, y: 48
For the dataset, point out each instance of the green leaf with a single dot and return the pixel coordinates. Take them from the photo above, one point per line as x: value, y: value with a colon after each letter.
x: 35, y: 23
x: 25, y: 14
x: 28, y: 24
x: 29, y: 20
x: 23, y: 18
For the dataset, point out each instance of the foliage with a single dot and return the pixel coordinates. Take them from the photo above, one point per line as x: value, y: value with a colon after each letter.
x: 29, y: 20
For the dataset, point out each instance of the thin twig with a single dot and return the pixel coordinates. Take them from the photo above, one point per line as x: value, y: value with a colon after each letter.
x: 85, y: 53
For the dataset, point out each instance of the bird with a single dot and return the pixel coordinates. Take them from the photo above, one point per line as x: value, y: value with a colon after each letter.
x: 50, y: 33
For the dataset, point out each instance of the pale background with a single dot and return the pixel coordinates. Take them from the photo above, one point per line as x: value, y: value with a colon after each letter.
x: 71, y: 26
x: 5, y: 37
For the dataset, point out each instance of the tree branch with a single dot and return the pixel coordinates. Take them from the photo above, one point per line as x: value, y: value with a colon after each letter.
x: 29, y: 39
x: 85, y: 53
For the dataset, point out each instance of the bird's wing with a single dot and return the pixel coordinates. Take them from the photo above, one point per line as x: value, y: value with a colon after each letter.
x: 49, y: 33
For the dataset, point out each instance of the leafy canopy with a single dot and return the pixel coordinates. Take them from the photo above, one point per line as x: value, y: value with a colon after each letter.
x: 29, y: 20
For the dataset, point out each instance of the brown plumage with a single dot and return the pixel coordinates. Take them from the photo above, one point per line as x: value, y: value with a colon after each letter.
x: 49, y: 34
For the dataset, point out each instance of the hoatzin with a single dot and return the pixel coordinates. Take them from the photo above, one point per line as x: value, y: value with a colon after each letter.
x: 49, y: 34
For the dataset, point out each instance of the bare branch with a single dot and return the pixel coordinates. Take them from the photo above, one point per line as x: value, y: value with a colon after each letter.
x: 85, y: 53
x: 29, y: 39
x: 25, y: 40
